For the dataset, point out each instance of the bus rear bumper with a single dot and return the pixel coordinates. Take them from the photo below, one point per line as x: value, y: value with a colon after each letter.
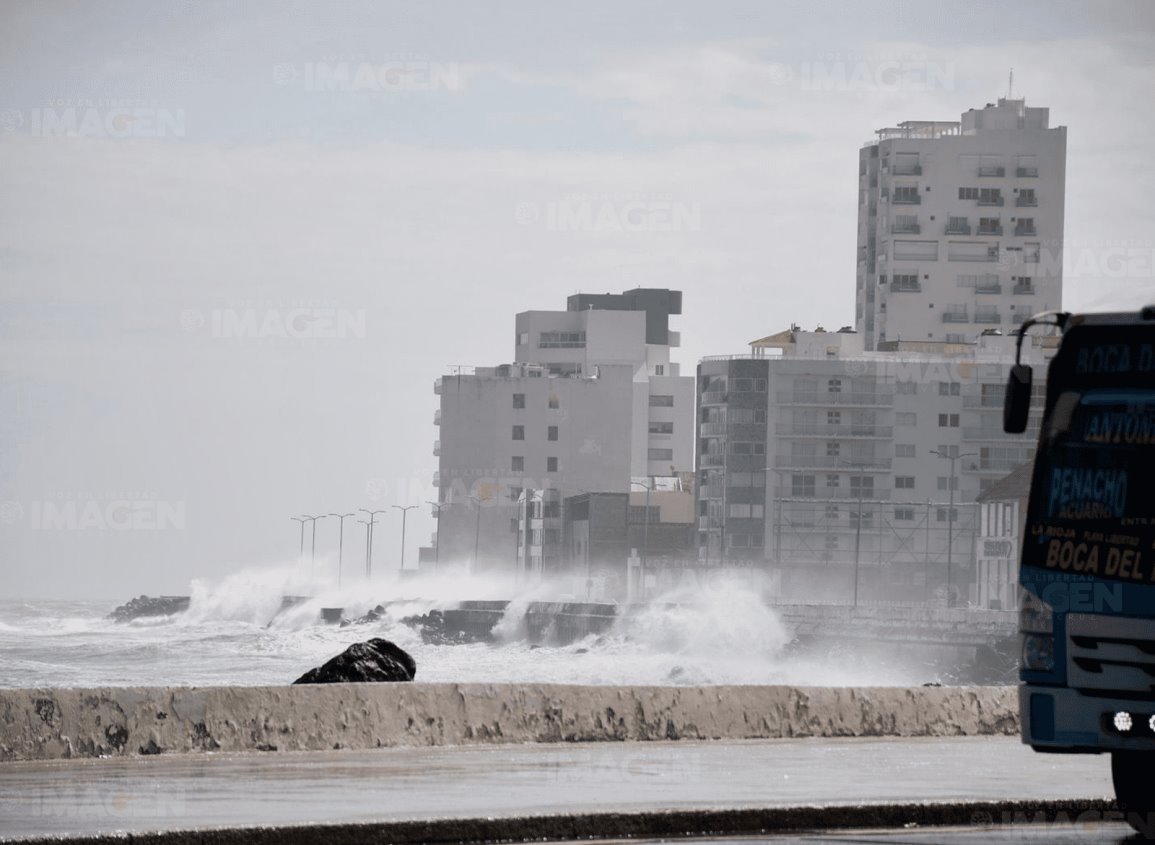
x: 1065, y: 720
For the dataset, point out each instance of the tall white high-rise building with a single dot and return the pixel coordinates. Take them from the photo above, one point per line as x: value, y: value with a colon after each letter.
x: 960, y: 225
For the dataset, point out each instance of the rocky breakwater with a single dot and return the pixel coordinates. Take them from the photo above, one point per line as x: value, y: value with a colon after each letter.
x: 372, y: 661
x: 143, y: 606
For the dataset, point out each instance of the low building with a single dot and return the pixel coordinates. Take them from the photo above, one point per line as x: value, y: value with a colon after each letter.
x: 1002, y: 517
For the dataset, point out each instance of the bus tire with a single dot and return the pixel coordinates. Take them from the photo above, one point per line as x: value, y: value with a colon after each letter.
x: 1134, y: 790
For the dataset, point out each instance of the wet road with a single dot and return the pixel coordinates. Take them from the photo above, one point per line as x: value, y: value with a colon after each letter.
x: 174, y: 792
x: 1086, y: 833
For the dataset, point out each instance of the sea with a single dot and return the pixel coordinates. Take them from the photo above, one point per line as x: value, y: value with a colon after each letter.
x: 234, y: 634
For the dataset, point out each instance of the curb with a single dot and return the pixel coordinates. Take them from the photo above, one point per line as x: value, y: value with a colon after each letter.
x: 665, y: 824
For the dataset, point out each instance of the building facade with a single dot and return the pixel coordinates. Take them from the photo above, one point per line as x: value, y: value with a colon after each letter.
x: 593, y: 402
x: 960, y: 225
x: 853, y: 474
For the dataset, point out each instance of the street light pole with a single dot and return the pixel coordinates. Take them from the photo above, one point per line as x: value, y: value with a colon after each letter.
x: 367, y: 525
x: 857, y: 525
x: 369, y: 551
x: 313, y: 540
x: 301, y: 553
x: 437, y: 545
x: 645, y: 533
x: 476, y: 534
x: 950, y: 519
x: 341, y: 542
x: 404, y: 513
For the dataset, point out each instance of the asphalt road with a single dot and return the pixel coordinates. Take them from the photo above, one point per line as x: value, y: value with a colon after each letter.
x: 190, y: 791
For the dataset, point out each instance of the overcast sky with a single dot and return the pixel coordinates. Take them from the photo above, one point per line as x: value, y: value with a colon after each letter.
x: 225, y: 192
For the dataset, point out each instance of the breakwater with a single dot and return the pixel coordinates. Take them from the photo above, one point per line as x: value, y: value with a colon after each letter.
x: 77, y: 723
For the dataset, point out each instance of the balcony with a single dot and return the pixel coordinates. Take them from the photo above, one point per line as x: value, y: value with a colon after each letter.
x: 988, y: 287
x: 879, y: 399
x: 987, y: 172
x: 907, y: 170
x: 905, y: 287
x: 853, y: 465
x: 958, y: 229
x: 906, y: 199
x: 716, y: 459
x: 1026, y: 172
x: 1024, y: 290
x: 1025, y: 230
x: 828, y: 431
x: 983, y: 401
x: 1026, y: 202
x: 713, y: 429
x: 437, y: 417
x: 990, y: 230
x: 905, y: 229
x: 988, y: 317
x: 955, y: 317
x: 436, y: 448
x: 714, y: 397
x: 437, y: 386
x: 838, y: 494
x: 991, y: 201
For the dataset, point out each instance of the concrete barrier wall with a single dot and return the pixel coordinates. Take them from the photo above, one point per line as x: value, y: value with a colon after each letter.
x: 62, y: 723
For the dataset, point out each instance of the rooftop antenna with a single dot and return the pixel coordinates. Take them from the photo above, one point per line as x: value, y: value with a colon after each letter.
x: 1011, y: 85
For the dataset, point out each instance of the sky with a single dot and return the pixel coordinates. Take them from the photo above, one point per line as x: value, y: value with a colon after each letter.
x: 240, y: 240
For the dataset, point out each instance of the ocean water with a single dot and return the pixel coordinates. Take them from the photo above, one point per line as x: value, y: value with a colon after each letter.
x: 233, y: 635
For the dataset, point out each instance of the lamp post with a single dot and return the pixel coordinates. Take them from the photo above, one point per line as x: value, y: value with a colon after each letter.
x: 857, y: 524
x: 953, y: 458
x: 368, y: 527
x: 476, y: 533
x: 645, y: 531
x: 369, y: 545
x: 404, y: 513
x: 341, y: 542
x: 301, y: 553
x: 437, y: 545
x: 313, y: 539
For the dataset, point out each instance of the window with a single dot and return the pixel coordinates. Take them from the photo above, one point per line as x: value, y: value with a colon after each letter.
x: 743, y: 385
x: 968, y: 194
x: 832, y: 512
x: 990, y: 196
x: 802, y: 486
x: 661, y: 427
x: 833, y: 417
x: 515, y: 493
x: 831, y: 541
x: 518, y: 463
x: 760, y: 385
x: 760, y: 417
x: 833, y: 449
x: 519, y: 432
x: 904, y: 450
x: 863, y: 483
x: 949, y: 388
x: 554, y: 404
x: 551, y: 464
x: 904, y: 514
x: 832, y: 481
x: 551, y: 433
x: 904, y: 482
x: 906, y: 388
x: 661, y: 400
x: 948, y: 420
x: 561, y: 340
x: 834, y: 385
x: 661, y: 454
x: 944, y: 481
x: 905, y: 418
x: 941, y: 514
x: 949, y: 451
x: 519, y: 400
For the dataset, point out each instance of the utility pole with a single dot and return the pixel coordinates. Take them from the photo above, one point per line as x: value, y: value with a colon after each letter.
x: 857, y: 524
x: 954, y: 459
x: 341, y: 542
x: 369, y: 552
x: 404, y: 513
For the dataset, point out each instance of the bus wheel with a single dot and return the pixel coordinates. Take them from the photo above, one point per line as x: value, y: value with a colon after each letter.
x: 1134, y: 792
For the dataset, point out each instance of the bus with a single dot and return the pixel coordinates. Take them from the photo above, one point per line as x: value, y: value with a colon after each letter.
x: 1087, y: 565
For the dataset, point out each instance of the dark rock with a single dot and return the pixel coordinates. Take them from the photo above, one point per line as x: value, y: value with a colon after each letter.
x: 435, y: 630
x: 370, y: 661
x: 142, y: 606
x: 374, y: 615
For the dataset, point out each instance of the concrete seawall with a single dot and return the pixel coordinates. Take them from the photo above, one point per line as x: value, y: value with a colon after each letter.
x: 69, y: 723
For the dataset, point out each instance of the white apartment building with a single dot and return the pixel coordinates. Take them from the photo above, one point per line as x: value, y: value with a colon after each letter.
x: 960, y: 225
x: 838, y: 467
x: 593, y: 401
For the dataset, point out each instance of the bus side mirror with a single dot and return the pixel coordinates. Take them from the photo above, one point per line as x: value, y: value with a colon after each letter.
x: 1017, y: 404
